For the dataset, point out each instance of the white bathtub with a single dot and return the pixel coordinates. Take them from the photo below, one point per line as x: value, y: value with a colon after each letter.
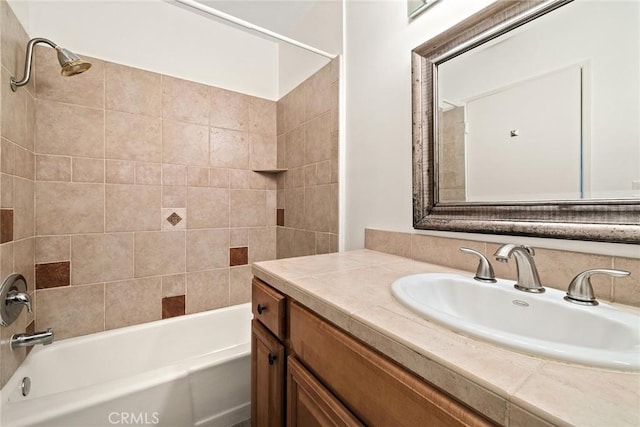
x: 190, y: 370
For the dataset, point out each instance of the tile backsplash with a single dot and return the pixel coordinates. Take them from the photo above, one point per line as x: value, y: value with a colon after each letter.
x: 556, y: 267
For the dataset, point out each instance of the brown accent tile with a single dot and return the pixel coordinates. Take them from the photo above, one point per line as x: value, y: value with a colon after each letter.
x: 6, y: 225
x: 53, y: 275
x: 280, y: 217
x: 238, y: 256
x: 173, y: 306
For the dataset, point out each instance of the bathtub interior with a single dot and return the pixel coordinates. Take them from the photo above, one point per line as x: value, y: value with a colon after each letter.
x: 78, y: 382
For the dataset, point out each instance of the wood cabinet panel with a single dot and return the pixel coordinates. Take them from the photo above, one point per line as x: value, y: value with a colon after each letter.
x: 309, y: 404
x: 376, y: 390
x: 267, y: 378
x: 269, y: 307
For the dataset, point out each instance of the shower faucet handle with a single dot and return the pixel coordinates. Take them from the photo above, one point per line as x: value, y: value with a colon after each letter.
x: 484, y: 272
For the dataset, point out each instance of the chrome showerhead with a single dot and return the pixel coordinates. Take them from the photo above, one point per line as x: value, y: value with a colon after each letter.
x: 71, y: 63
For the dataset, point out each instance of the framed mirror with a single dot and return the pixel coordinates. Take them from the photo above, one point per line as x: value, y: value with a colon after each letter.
x: 416, y: 7
x: 526, y: 121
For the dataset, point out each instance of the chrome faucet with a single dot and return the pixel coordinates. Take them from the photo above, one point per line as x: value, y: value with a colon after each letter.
x: 528, y: 278
x: 581, y: 291
x: 25, y: 340
x: 484, y: 272
x: 19, y: 298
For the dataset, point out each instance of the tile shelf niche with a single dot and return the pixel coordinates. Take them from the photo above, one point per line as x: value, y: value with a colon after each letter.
x: 275, y: 170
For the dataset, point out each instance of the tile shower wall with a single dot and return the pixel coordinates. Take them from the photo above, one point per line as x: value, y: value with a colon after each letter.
x: 17, y: 243
x: 307, y: 127
x: 556, y: 268
x: 146, y: 203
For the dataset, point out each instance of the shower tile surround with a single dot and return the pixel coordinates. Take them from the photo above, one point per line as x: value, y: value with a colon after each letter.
x: 132, y: 197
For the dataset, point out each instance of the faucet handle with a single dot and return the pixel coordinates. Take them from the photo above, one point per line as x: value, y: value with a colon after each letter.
x: 19, y: 298
x: 484, y: 272
x: 581, y: 290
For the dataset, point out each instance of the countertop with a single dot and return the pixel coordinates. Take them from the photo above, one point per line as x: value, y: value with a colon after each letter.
x: 352, y: 290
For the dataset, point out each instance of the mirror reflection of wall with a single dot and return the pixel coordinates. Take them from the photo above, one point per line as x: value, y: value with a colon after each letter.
x: 570, y: 93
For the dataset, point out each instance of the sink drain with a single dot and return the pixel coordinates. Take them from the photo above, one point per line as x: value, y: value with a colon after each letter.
x: 520, y: 303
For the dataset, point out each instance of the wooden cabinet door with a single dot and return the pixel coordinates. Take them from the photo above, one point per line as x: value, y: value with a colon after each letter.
x: 309, y: 404
x: 267, y: 378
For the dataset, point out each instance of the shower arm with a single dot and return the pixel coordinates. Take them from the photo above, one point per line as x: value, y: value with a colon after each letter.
x: 28, y: 60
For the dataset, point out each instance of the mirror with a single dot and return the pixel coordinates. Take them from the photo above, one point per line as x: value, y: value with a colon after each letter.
x: 416, y: 7
x: 526, y: 121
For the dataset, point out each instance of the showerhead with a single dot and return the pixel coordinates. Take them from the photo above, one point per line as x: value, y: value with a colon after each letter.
x: 71, y: 63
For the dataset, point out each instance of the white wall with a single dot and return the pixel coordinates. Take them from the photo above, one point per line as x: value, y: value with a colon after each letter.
x: 158, y: 36
x: 379, y: 39
x: 321, y: 27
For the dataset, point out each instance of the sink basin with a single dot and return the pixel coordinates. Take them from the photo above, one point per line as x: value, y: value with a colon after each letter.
x: 540, y: 324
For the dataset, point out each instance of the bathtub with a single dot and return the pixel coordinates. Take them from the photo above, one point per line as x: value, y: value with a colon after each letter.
x: 191, y: 370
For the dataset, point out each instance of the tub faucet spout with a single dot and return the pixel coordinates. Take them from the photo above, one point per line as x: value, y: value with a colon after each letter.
x: 25, y: 340
x: 528, y: 278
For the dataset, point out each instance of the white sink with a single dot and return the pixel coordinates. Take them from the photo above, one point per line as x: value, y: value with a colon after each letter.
x: 540, y: 324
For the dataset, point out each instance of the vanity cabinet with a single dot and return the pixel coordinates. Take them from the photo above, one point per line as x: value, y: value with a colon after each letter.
x: 334, y: 379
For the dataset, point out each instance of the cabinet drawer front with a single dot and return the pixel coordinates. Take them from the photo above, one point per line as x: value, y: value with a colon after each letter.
x: 309, y: 404
x: 376, y: 390
x: 268, y: 307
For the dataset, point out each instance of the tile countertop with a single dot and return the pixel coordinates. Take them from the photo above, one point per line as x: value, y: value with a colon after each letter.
x: 352, y: 290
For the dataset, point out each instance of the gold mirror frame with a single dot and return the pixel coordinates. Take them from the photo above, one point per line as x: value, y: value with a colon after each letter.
x: 597, y: 220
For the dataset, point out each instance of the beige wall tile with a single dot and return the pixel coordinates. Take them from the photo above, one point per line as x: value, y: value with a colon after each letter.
x: 53, y: 168
x: 120, y: 172
x: 238, y: 237
x: 185, y: 143
x: 30, y: 131
x: 198, y: 177
x: 174, y: 196
x: 229, y: 110
x: 294, y: 156
x: 207, y: 207
x: 262, y: 244
x: 248, y: 208
x: 25, y: 163
x: 317, y: 93
x: 323, y: 172
x: 131, y: 302
x: 23, y: 209
x: 14, y: 39
x: 292, y: 242
x: 132, y: 207
x: 334, y: 94
x: 317, y: 208
x: 239, y: 178
x: 281, y: 149
x: 133, y: 137
x: 6, y: 259
x: 84, y: 316
x: 87, y: 170
x: 84, y: 89
x: 294, y: 208
x: 7, y: 156
x: 388, y: 241
x: 262, y: 151
x: 317, y: 135
x: 174, y: 174
x: 14, y: 112
x: 219, y: 178
x: 207, y: 249
x: 159, y: 253
x: 6, y: 190
x: 132, y: 90
x: 443, y: 251
x: 626, y: 290
x: 24, y: 261
x: 207, y: 290
x: 148, y: 173
x: 240, y: 284
x: 101, y: 257
x: 174, y: 285
x: 262, y: 116
x: 294, y: 108
x: 294, y: 178
x: 335, y: 162
x: 323, y: 243
x: 185, y: 100
x: 229, y: 149
x: 53, y: 248
x: 69, y: 130
x: 310, y: 175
